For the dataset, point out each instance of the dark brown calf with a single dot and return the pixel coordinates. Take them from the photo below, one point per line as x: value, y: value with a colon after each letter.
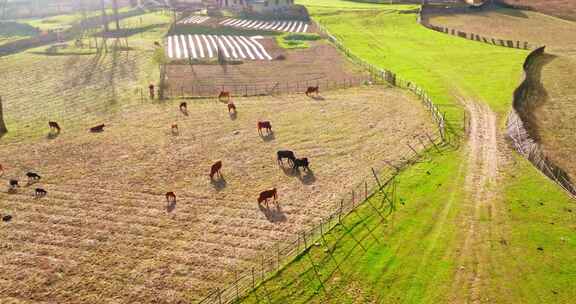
x: 264, y: 125
x: 216, y: 167
x: 54, y: 126
x: 170, y: 197
x: 265, y: 195
x: 311, y: 90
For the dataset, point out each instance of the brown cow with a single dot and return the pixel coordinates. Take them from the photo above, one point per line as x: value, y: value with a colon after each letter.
x: 311, y: 90
x: 183, y: 107
x: 170, y: 197
x: 54, y: 126
x: 216, y: 167
x: 224, y: 94
x: 265, y: 195
x: 231, y: 107
x: 175, y: 130
x: 264, y: 125
x: 97, y: 129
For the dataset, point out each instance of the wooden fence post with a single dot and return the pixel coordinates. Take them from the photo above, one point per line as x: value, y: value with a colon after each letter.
x: 365, y: 190
x: 253, y: 279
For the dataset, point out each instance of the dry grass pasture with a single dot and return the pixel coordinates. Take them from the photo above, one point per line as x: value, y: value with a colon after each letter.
x: 77, y: 87
x: 104, y: 233
x: 553, y: 105
x: 561, y: 8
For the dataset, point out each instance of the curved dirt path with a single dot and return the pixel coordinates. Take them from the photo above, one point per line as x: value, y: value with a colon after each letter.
x: 482, y: 172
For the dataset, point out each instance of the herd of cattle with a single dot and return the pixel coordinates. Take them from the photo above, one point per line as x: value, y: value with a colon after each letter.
x: 215, y: 170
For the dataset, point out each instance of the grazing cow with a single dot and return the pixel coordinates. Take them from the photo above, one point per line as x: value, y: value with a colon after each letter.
x: 231, y: 107
x: 224, y: 94
x: 97, y: 129
x: 40, y: 193
x: 151, y: 91
x: 183, y: 107
x: 170, y: 197
x: 216, y: 167
x: 301, y: 162
x: 54, y: 126
x: 6, y: 218
x: 311, y: 90
x: 264, y: 125
x: 13, y: 184
x: 265, y: 195
x: 33, y: 176
x: 175, y: 129
x: 285, y: 154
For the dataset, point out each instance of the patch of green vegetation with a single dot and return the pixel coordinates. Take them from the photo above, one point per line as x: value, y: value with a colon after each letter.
x: 296, y: 41
x: 346, y: 4
x: 392, y: 261
x: 206, y: 30
x: 11, y: 31
x: 444, y: 65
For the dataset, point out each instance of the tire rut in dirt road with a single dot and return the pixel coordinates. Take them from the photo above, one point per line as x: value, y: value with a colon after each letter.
x: 483, y: 159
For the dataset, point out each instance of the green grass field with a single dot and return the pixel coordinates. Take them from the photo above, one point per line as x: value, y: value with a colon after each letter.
x: 528, y: 244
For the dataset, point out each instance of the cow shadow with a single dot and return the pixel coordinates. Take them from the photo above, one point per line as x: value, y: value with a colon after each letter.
x: 289, y: 171
x: 308, y: 178
x: 184, y: 112
x: 171, y: 206
x: 273, y: 213
x: 219, y: 184
x: 53, y: 135
x: 233, y: 115
x: 268, y: 137
x: 318, y: 98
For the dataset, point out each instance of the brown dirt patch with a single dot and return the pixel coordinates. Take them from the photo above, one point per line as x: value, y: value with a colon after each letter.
x: 104, y: 235
x: 560, y: 8
x: 320, y: 64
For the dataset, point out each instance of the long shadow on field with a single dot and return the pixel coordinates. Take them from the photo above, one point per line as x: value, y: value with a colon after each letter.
x: 233, y: 115
x: 273, y: 214
x: 268, y: 137
x: 170, y: 207
x: 289, y: 171
x: 219, y: 184
x: 308, y: 178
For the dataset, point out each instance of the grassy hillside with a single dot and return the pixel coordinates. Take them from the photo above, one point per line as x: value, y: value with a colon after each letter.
x: 525, y: 226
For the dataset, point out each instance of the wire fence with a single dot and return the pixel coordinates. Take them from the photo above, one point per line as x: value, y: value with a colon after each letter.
x: 425, y: 21
x: 379, y: 74
x: 377, y: 181
x: 523, y: 142
x: 200, y: 90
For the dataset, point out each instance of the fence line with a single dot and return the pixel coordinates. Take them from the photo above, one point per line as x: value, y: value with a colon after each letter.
x: 393, y: 79
x: 261, y: 89
x: 521, y: 138
x: 424, y: 21
x: 280, y: 255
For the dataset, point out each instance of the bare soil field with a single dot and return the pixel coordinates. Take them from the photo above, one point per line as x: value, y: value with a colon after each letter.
x: 553, y: 105
x: 560, y: 8
x: 321, y: 63
x: 104, y: 233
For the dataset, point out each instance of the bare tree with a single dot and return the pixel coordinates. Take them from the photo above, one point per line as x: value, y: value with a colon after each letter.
x: 104, y: 16
x: 3, y: 129
x: 116, y: 17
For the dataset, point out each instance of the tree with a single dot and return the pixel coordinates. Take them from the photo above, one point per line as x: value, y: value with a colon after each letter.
x: 116, y: 17
x: 3, y: 129
x: 104, y: 17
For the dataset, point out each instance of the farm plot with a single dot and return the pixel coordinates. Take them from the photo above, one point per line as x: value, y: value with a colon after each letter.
x: 553, y: 105
x: 104, y: 233
x: 281, y: 26
x: 320, y: 64
x: 194, y: 20
x: 208, y: 46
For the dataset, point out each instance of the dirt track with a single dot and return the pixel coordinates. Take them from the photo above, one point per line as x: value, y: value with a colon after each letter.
x: 481, y: 176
